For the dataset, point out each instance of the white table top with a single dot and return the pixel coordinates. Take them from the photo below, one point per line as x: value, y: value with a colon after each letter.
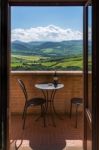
x: 49, y: 86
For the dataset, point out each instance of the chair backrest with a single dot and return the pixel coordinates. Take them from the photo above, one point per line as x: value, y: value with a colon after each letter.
x: 23, y: 88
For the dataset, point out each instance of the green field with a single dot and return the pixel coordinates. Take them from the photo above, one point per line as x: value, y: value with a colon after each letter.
x: 20, y: 62
x: 47, y: 55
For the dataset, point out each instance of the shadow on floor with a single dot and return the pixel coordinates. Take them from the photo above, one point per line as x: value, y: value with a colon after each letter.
x: 35, y: 137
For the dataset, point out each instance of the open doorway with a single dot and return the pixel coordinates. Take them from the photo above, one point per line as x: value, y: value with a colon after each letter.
x: 56, y: 48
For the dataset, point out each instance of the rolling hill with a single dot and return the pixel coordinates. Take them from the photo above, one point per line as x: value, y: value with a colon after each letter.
x: 47, y: 48
x: 47, y: 55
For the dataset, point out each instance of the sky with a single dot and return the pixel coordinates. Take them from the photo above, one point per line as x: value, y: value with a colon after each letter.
x: 46, y: 23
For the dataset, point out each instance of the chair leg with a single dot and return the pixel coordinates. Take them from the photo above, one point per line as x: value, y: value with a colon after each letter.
x: 40, y: 114
x: 70, y: 109
x: 43, y: 114
x: 25, y: 113
x: 76, y: 116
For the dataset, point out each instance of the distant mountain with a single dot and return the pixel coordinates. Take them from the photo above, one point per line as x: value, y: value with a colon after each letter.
x: 48, y: 48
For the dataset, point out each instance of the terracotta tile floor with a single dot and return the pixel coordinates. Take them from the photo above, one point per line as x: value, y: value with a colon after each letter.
x: 35, y: 137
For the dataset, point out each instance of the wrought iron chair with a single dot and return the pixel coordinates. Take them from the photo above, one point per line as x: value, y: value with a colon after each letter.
x: 77, y: 102
x: 38, y: 101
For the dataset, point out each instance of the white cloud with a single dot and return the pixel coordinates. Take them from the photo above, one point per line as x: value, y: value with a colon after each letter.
x: 48, y: 33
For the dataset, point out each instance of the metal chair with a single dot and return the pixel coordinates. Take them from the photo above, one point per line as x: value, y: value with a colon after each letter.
x: 76, y: 101
x: 31, y: 102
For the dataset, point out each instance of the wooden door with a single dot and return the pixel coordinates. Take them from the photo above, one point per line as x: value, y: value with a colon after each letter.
x: 91, y: 105
x: 4, y: 75
x: 88, y: 76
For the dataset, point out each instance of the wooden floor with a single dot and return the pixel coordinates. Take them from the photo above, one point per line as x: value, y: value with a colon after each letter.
x: 35, y: 137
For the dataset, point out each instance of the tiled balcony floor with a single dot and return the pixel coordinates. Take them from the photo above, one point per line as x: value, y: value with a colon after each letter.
x: 35, y: 137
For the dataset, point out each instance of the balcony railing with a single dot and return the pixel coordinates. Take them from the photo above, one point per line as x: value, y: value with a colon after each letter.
x: 73, y: 87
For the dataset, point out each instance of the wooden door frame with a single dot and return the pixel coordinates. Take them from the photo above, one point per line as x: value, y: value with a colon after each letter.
x: 95, y: 77
x: 4, y: 75
x: 47, y: 2
x: 87, y: 109
x: 85, y: 75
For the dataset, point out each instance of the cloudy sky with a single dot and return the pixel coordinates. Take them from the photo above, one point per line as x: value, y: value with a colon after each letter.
x: 46, y: 23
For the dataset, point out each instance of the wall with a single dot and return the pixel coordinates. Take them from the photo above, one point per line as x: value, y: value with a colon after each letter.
x: 73, y: 87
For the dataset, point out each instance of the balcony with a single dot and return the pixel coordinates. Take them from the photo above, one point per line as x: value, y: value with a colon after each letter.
x: 35, y: 137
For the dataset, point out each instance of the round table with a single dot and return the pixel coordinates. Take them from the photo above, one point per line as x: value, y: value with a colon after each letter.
x: 49, y: 91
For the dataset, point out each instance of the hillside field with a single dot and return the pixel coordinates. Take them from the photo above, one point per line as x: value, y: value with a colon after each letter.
x: 65, y: 55
x: 19, y: 62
